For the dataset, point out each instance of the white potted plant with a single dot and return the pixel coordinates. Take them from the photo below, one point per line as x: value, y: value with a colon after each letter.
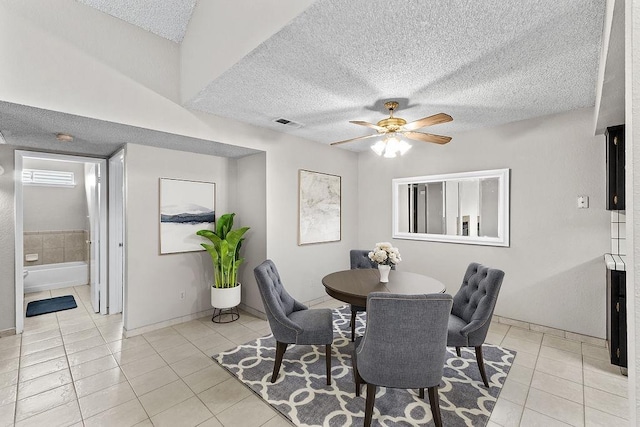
x: 385, y: 256
x: 225, y: 254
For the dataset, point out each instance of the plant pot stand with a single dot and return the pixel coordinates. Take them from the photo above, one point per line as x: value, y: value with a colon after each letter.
x: 225, y: 303
x: 229, y: 314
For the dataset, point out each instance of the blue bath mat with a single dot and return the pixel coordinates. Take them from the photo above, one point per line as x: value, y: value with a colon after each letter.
x: 50, y: 305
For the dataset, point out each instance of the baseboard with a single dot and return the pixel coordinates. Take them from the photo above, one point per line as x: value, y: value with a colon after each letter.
x: 252, y: 311
x: 7, y: 332
x: 595, y: 341
x: 317, y: 301
x: 128, y: 333
x: 52, y: 286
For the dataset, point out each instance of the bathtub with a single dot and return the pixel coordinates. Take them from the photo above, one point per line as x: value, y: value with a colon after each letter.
x: 53, y: 276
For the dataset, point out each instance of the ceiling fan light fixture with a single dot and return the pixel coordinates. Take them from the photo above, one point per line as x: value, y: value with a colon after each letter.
x: 379, y: 147
x: 404, y: 146
x: 388, y: 154
x: 391, y: 146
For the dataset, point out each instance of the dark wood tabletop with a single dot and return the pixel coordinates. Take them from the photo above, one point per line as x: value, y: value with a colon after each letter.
x: 353, y: 286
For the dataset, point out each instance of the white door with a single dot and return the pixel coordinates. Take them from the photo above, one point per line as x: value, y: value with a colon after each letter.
x: 91, y: 179
x: 116, y: 232
x: 96, y: 189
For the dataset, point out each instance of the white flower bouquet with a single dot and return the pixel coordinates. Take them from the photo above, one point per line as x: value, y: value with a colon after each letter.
x: 385, y: 254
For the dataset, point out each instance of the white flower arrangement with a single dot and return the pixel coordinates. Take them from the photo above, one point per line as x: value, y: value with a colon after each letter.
x: 385, y: 254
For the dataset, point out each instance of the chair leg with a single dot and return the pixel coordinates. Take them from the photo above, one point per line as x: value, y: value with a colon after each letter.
x: 421, y: 393
x: 458, y: 351
x: 356, y: 378
x: 481, y: 365
x: 371, y: 398
x: 328, y: 357
x: 280, y: 349
x: 353, y: 324
x: 435, y: 406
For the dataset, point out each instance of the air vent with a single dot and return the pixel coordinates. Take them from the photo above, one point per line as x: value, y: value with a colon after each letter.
x: 287, y: 122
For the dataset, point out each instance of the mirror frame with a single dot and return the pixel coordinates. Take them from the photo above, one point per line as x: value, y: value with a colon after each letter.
x: 503, y: 208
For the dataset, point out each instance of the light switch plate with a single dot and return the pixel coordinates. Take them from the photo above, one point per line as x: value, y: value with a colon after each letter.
x: 583, y: 202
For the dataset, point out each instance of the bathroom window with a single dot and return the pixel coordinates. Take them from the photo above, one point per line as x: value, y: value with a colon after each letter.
x: 48, y: 178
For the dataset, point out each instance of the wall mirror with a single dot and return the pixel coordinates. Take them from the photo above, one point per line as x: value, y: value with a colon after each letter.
x: 469, y: 207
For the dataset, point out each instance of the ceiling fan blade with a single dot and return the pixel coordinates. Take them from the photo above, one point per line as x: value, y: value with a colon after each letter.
x: 427, y: 137
x: 428, y: 121
x: 369, y: 125
x: 354, y: 139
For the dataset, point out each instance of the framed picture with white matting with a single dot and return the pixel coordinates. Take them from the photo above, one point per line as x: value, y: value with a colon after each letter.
x: 185, y: 207
x: 319, y: 204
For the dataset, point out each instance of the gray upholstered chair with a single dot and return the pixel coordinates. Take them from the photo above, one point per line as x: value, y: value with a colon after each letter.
x: 472, y: 310
x: 360, y: 259
x: 292, y: 322
x: 404, y: 346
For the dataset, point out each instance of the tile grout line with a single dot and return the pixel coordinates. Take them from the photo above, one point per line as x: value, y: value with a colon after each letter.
x: 15, y: 406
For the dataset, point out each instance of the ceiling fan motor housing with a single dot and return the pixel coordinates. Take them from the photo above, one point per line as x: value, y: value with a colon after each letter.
x: 392, y: 124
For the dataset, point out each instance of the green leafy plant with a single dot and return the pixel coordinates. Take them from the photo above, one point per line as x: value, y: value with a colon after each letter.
x: 224, y: 250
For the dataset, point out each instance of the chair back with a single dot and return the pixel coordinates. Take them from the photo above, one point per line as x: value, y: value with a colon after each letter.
x: 404, y: 344
x: 360, y: 260
x: 476, y: 299
x: 277, y: 302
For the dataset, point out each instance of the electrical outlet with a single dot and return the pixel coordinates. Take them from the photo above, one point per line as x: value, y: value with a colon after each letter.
x: 182, y: 294
x: 583, y: 202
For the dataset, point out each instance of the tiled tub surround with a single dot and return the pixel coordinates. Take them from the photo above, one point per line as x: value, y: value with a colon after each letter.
x: 53, y: 247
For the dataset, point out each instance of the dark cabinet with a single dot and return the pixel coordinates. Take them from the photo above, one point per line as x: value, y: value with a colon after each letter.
x: 617, y: 317
x: 615, y: 168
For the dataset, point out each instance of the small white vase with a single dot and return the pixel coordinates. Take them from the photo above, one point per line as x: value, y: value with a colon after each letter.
x: 384, y: 272
x: 225, y: 297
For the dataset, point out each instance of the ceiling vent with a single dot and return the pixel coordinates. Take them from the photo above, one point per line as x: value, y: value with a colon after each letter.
x: 289, y: 123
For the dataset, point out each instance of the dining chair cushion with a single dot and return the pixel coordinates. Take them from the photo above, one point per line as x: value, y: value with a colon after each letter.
x: 454, y: 334
x: 313, y: 324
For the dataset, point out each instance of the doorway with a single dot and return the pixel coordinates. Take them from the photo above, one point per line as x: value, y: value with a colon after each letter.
x: 89, y: 238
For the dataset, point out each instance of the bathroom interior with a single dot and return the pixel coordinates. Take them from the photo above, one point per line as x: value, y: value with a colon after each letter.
x: 56, y: 225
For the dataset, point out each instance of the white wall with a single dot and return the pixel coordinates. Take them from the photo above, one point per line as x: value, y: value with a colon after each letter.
x: 250, y: 205
x: 42, y: 68
x: 55, y: 208
x: 303, y: 267
x: 555, y: 275
x: 110, y: 40
x: 7, y: 242
x: 154, y: 281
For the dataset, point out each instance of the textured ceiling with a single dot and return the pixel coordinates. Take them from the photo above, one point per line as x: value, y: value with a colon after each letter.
x: 35, y: 128
x: 484, y: 63
x: 166, y: 18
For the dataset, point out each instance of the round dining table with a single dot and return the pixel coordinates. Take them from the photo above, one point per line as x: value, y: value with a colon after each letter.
x: 353, y: 286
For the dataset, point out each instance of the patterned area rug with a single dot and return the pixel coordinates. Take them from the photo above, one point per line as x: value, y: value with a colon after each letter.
x: 301, y: 393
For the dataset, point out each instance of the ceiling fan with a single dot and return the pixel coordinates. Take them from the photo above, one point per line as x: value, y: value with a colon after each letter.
x: 392, y: 127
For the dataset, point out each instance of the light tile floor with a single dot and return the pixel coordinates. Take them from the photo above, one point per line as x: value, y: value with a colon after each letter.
x: 73, y: 368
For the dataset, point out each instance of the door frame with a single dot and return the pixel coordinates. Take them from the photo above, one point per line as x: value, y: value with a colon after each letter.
x: 20, y: 155
x: 117, y: 244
